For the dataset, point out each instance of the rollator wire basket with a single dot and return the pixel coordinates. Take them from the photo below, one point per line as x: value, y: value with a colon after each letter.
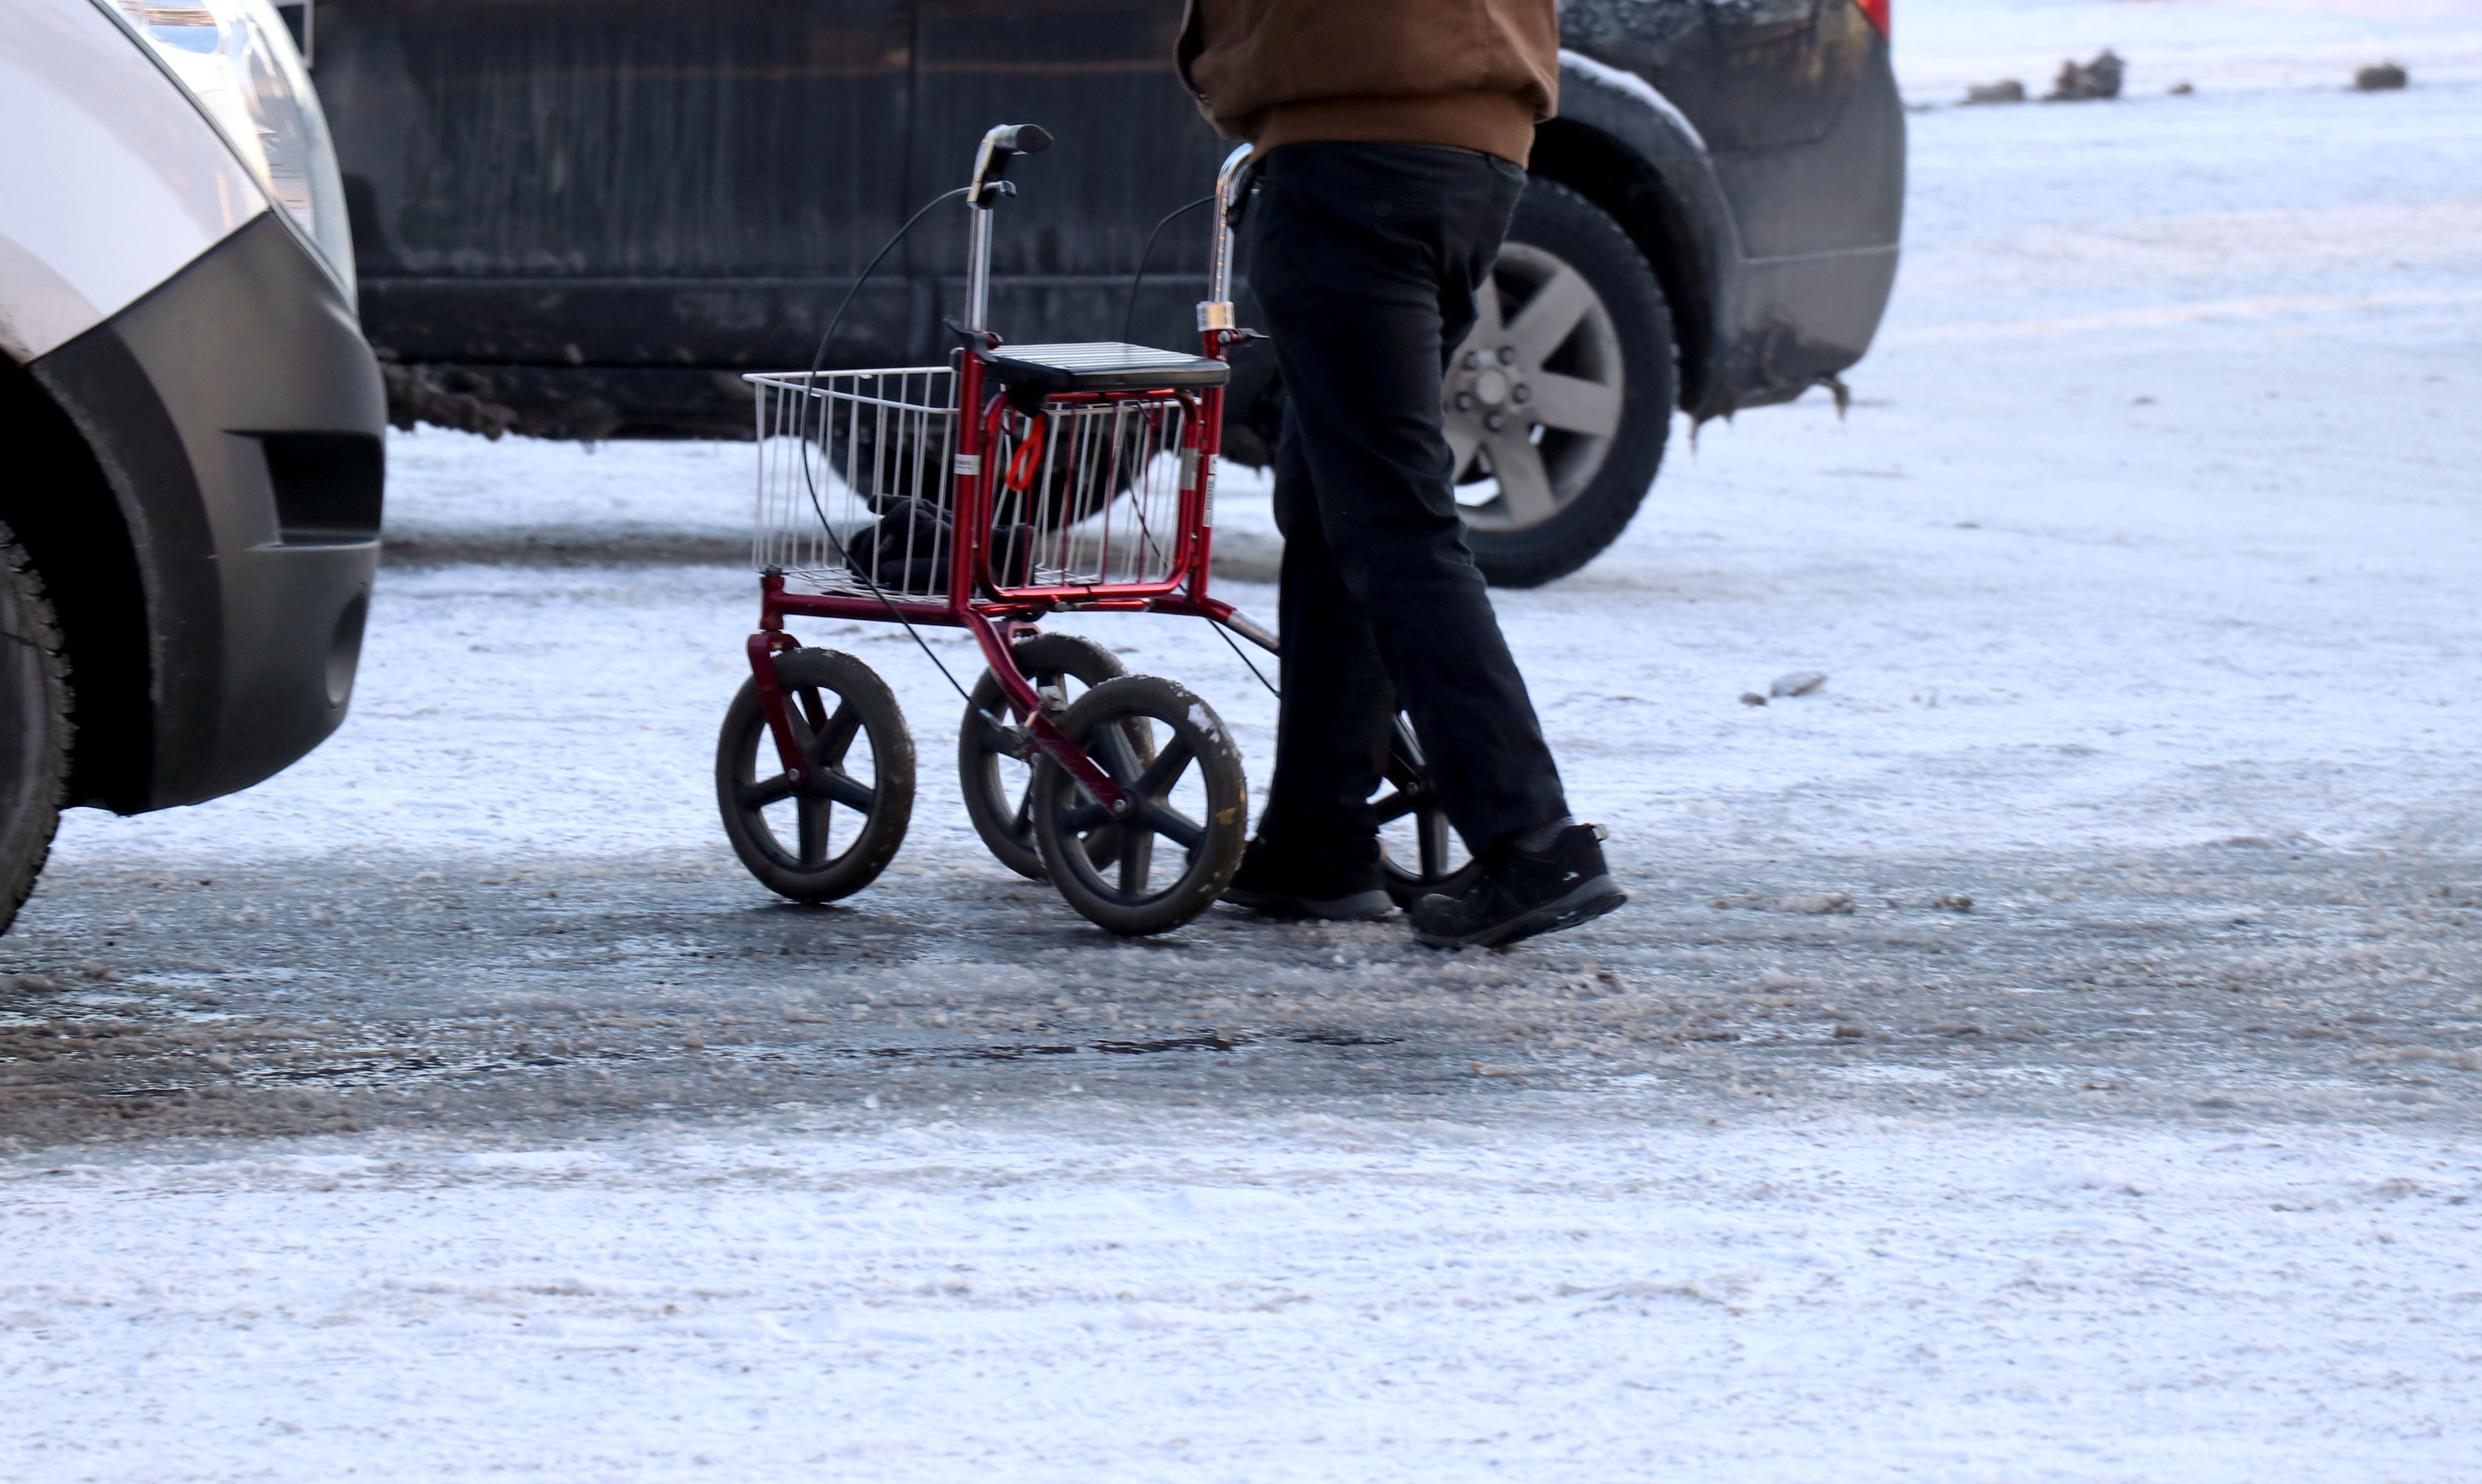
x: 836, y: 448
x: 857, y: 484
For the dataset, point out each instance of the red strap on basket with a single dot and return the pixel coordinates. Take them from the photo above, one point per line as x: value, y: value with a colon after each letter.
x: 1029, y: 454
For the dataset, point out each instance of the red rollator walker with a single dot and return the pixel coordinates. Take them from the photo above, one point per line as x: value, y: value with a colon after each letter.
x: 1015, y: 483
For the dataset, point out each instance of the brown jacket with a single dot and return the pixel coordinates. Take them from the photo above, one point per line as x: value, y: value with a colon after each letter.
x: 1477, y: 73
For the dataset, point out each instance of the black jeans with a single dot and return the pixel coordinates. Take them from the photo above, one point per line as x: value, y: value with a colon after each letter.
x: 1365, y: 260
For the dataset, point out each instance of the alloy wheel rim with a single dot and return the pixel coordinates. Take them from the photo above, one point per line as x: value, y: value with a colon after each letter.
x: 1532, y: 398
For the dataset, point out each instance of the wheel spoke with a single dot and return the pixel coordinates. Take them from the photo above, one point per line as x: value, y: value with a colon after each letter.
x: 988, y: 734
x: 1550, y: 316
x: 845, y: 789
x: 815, y: 815
x: 1173, y: 825
x: 1166, y: 770
x: 805, y: 705
x: 766, y: 791
x: 1396, y: 805
x: 1524, y: 484
x: 829, y: 745
x: 1103, y: 845
x: 1574, y: 405
x: 1114, y: 755
x: 1431, y: 831
x: 1137, y: 857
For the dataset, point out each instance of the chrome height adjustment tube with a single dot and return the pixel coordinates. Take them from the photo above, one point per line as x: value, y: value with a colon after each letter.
x: 1215, y: 311
x: 990, y: 171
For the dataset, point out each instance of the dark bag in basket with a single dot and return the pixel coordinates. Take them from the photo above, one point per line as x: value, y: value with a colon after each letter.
x: 905, y: 550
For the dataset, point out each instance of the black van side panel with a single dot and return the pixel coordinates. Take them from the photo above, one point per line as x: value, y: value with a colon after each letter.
x: 587, y: 221
x: 641, y: 184
x: 253, y: 623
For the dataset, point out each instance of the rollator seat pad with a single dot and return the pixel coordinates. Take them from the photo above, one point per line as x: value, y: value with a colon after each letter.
x: 1102, y: 365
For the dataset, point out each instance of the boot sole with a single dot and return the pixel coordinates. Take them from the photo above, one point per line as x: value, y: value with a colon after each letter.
x: 1361, y: 907
x: 1587, y: 901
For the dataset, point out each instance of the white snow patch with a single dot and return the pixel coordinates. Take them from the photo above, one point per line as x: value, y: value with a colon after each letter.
x: 1333, y: 1298
x: 1943, y: 47
x: 1622, y: 81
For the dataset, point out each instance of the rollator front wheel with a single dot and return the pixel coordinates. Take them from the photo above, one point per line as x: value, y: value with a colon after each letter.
x: 1168, y: 860
x: 831, y: 835
x: 998, y: 786
x: 1419, y: 850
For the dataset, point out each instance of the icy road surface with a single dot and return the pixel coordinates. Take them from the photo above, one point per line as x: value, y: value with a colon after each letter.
x: 453, y: 1105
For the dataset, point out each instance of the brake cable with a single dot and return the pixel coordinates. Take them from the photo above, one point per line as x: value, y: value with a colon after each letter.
x: 810, y: 482
x: 1129, y: 315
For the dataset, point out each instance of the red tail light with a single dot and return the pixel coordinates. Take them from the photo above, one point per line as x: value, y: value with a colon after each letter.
x: 1877, y: 11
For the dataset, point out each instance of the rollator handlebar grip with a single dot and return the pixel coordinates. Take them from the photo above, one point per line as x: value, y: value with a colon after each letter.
x: 1000, y: 145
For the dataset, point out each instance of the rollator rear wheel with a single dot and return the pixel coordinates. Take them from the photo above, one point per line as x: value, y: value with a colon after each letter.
x: 999, y: 788
x: 1418, y: 851
x: 832, y: 835
x: 1165, y: 863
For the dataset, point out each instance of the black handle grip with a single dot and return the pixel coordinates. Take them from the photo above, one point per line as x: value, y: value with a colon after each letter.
x: 999, y: 146
x: 1022, y: 138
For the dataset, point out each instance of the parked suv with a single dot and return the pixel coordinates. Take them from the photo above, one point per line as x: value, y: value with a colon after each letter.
x: 587, y: 221
x: 192, y: 421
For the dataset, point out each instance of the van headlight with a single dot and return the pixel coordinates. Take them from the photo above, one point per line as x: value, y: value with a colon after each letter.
x: 235, y: 58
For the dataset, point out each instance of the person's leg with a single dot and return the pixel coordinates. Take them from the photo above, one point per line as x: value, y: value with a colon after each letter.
x: 1316, y: 846
x: 1332, y: 735
x: 1359, y: 253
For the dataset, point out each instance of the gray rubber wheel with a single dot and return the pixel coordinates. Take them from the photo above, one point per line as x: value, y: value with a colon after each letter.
x: 858, y: 789
x: 35, y: 758
x: 1558, y: 403
x: 1000, y: 787
x: 1419, y: 853
x: 1167, y: 862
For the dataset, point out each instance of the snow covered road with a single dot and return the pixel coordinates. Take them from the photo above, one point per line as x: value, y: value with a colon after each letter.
x: 1204, y: 1299
x: 453, y: 1105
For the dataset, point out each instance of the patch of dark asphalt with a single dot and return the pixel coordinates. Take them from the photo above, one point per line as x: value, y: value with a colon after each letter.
x: 2261, y: 985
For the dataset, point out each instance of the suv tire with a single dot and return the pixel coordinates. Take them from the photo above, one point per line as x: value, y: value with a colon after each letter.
x: 1569, y: 375
x: 34, y: 752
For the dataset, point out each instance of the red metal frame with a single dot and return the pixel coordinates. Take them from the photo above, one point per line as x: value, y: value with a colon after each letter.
x: 994, y: 615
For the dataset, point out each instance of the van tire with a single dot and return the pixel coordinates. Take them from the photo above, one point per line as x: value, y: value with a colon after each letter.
x: 35, y: 754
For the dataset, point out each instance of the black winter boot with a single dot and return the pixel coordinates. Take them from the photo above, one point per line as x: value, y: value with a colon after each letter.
x: 1522, y: 892
x: 1339, y: 882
